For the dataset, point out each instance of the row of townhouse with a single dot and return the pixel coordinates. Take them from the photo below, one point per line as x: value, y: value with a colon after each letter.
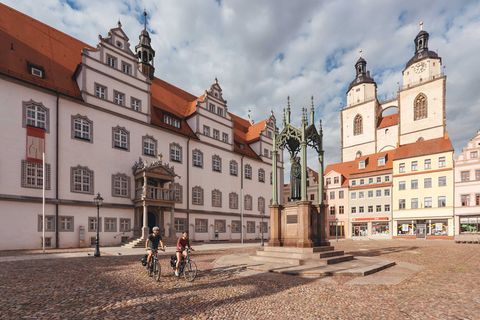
x: 158, y: 155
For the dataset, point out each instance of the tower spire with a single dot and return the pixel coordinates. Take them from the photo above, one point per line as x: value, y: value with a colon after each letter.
x: 312, y: 112
x: 144, y: 50
x: 421, y: 25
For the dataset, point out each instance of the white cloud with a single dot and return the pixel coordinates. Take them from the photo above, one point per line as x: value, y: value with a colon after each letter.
x: 240, y: 41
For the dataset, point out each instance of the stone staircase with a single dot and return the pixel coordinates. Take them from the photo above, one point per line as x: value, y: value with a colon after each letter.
x: 324, y: 255
x: 136, y: 243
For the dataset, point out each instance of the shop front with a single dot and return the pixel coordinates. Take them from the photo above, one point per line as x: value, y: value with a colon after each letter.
x: 371, y: 227
x: 423, y: 229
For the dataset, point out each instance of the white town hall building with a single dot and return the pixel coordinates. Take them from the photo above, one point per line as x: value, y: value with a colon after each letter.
x: 157, y: 154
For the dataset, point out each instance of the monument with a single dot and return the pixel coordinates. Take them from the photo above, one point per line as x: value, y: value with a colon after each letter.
x: 299, y: 222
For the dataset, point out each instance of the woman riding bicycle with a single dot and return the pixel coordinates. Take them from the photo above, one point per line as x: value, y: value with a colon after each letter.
x: 182, y: 244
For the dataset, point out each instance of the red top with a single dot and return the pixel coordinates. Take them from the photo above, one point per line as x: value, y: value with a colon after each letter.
x: 182, y: 243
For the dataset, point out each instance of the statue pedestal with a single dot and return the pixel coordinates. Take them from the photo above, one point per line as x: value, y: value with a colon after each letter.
x: 297, y: 224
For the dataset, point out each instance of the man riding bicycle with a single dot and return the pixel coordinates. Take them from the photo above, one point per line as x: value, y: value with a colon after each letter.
x: 152, y: 243
x: 182, y: 244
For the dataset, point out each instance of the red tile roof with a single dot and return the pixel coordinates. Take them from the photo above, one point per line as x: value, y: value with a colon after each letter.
x: 372, y: 163
x: 26, y: 40
x: 344, y: 168
x: 424, y: 147
x: 388, y: 121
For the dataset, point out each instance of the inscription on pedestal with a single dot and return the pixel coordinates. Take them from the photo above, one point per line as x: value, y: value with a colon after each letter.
x: 292, y: 218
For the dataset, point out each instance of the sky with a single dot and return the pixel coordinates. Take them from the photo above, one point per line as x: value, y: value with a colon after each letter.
x: 263, y: 51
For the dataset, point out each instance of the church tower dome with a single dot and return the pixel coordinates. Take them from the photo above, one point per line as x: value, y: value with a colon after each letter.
x: 362, y: 75
x: 145, y: 52
x: 421, y: 48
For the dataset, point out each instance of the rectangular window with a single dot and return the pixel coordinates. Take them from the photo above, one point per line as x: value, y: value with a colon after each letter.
x: 211, y: 107
x: 171, y: 121
x: 442, y: 181
x: 370, y: 180
x: 32, y: 175
x: 427, y: 183
x: 233, y: 201
x: 92, y: 224
x: 465, y: 176
x: 354, y: 182
x: 216, y: 134
x: 341, y: 209
x: 414, y: 165
x: 379, y: 179
x: 82, y: 128
x: 329, y: 181
x: 336, y: 180
x: 465, y: 199
x: 387, y: 208
x: 332, y: 210
x: 386, y: 192
x: 265, y: 152
x: 180, y: 224
x: 360, y: 209
x: 427, y: 202
x: 135, y: 104
x: 361, y: 164
x: 401, y: 204
x: 66, y: 223
x: 110, y: 224
x: 441, y: 162
x: 353, y: 209
x: 442, y: 201
x: 312, y: 197
x: 378, y: 208
x: 362, y: 182
x: 36, y: 72
x: 126, y: 68
x: 250, y: 226
x: 220, y: 111
x: 125, y: 225
x: 175, y: 152
x: 120, y: 185
x: 111, y: 61
x: 387, y: 178
x: 370, y: 209
x: 370, y: 193
x: 201, y: 225
x: 401, y: 185
x: 477, y: 174
x: 118, y: 98
x: 49, y: 223
x: 361, y: 195
x: 381, y: 161
x: 473, y: 154
x: 206, y: 131
x: 149, y: 146
x: 353, y: 195
x: 427, y: 164
x: 100, y: 91
x: 477, y: 199
x: 378, y: 193
x: 236, y: 226
x: 401, y: 167
x: 225, y: 137
x: 414, y: 203
x: 340, y: 194
x: 414, y: 184
x: 332, y: 195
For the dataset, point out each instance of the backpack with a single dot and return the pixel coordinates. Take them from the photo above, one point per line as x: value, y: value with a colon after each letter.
x: 144, y: 260
x: 173, y: 261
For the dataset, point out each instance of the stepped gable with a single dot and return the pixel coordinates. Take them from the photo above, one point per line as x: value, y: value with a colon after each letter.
x: 388, y: 121
x: 424, y: 147
x: 24, y: 40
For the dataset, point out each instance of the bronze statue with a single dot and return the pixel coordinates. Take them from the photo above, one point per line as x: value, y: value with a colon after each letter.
x: 295, y: 179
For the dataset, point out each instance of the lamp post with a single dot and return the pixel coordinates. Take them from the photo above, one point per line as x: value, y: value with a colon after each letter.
x: 98, y: 202
x: 336, y: 229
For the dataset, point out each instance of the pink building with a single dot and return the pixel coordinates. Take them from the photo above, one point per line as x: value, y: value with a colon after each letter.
x: 467, y: 190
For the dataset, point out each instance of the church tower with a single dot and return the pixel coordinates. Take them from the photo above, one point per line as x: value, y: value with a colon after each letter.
x: 145, y: 52
x: 422, y: 96
x: 359, y: 116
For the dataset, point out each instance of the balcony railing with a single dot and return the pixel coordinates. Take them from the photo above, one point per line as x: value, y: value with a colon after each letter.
x: 155, y: 193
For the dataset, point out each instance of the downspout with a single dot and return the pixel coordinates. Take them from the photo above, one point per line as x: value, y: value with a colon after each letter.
x: 241, y: 200
x: 57, y: 241
x: 188, y: 184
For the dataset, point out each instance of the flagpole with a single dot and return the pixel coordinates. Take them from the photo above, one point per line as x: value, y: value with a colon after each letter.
x: 43, y: 201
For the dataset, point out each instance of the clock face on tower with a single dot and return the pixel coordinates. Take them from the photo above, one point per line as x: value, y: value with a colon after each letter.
x: 419, y: 67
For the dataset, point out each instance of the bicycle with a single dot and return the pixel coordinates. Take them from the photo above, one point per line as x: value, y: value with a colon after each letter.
x: 154, y: 269
x: 187, y: 267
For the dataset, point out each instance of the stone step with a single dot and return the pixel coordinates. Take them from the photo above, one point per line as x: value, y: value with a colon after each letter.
x: 328, y: 254
x: 299, y: 250
x: 333, y: 260
x: 278, y: 260
x: 287, y: 255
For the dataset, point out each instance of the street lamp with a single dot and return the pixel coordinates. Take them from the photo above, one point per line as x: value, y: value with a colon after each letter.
x: 98, y: 202
x: 336, y: 229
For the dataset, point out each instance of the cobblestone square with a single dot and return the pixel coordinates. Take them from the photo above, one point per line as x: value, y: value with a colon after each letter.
x: 446, y: 285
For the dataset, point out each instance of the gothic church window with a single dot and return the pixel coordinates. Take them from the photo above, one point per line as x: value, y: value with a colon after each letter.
x: 420, y: 107
x: 357, y: 125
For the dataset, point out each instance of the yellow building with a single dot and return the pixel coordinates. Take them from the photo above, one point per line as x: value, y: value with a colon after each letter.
x: 423, y: 190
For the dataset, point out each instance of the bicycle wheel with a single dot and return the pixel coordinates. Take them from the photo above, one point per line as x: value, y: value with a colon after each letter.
x: 149, y: 269
x: 190, y: 271
x: 158, y: 271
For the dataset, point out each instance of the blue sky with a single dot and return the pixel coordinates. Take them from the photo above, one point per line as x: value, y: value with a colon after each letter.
x: 264, y: 51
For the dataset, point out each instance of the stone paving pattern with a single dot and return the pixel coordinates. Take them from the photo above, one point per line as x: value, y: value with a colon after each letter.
x: 446, y: 286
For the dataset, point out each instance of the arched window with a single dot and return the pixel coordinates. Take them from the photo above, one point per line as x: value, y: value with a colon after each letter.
x: 233, y: 168
x: 120, y: 185
x: 420, y: 107
x: 248, y: 202
x: 121, y: 138
x: 35, y: 115
x: 81, y: 180
x: 197, y: 158
x: 357, y: 125
x: 149, y: 146
x: 216, y: 163
x: 216, y: 198
x: 175, y: 152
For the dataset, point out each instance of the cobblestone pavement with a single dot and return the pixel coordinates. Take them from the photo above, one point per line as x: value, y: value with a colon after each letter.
x: 117, y: 287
